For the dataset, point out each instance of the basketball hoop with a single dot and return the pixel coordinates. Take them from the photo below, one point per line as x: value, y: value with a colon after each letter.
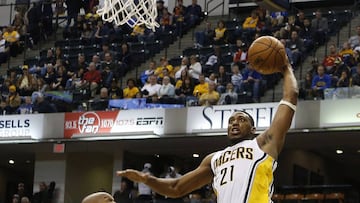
x: 131, y: 12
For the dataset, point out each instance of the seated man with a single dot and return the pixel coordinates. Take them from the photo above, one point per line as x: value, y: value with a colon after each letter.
x: 251, y: 82
x: 320, y: 82
x: 98, y: 197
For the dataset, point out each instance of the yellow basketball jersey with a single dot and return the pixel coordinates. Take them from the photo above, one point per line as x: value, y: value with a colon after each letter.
x: 243, y: 173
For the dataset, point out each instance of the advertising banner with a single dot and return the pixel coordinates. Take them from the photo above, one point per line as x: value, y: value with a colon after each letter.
x: 24, y: 126
x: 340, y: 113
x: 114, y: 122
x: 216, y: 117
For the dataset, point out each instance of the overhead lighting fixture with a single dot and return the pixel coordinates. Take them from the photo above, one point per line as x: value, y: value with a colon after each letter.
x: 358, y: 151
x: 339, y: 151
x: 157, y: 155
x: 11, y: 162
x: 196, y: 155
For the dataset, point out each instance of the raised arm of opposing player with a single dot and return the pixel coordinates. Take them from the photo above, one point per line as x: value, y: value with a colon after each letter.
x: 272, y: 140
x: 178, y: 187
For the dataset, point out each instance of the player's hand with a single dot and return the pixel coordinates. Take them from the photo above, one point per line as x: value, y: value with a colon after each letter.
x: 133, y: 175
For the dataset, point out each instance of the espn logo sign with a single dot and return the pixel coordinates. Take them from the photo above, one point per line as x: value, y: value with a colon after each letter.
x: 150, y: 121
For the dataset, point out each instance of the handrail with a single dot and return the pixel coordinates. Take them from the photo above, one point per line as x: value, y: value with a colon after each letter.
x: 222, y: 3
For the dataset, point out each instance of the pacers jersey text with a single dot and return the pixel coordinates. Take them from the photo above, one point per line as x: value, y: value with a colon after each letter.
x: 243, y: 173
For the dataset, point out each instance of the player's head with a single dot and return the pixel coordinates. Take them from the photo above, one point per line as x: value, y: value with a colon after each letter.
x: 241, y: 127
x: 98, y: 197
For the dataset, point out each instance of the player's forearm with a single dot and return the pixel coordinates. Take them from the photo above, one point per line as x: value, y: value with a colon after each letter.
x: 290, y: 88
x: 166, y: 187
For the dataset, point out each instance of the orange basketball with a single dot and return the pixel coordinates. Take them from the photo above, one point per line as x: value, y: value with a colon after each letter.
x: 267, y: 55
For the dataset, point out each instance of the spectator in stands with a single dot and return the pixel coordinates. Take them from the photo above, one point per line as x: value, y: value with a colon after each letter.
x: 296, y: 45
x: 222, y: 80
x: 179, y: 82
x: 305, y: 88
x: 15, y: 197
x: 50, y: 75
x: 60, y: 79
x: 213, y: 61
x: 105, y: 48
x: 12, y: 76
x: 141, y: 34
x: 179, y: 13
x: 108, y: 62
x: 131, y: 90
x: 4, y: 108
x: 204, y: 37
x: 251, y: 82
x: 229, y: 96
x: 236, y: 77
x: 300, y: 20
x: 26, y: 107
x: 150, y: 71
x: 159, y: 7
x: 41, y: 85
x: 101, y: 101
x: 58, y: 53
x: 183, y: 66
x: 346, y: 52
x: 12, y: 38
x: 202, y: 87
x: 220, y: 37
x: 4, y: 50
x: 164, y: 63
x: 103, y: 32
x: 320, y: 27
x: 211, y: 97
x: 355, y: 78
x: 193, y: 14
x: 124, y: 59
x: 33, y: 22
x: 355, y: 39
x: 195, y: 68
x: 107, y: 77
x: 21, y: 187
x: 80, y: 64
x: 240, y: 56
x: 96, y: 59
x: 41, y: 105
x: 320, y: 82
x: 73, y: 9
x: 166, y: 21
x: 50, y: 58
x: 92, y: 78
x: 19, y: 25
x: 25, y: 82
x: 343, y: 80
x: 124, y: 195
x: 251, y: 21
x: 24, y: 200
x: 166, y: 92
x: 185, y: 91
x: 306, y: 33
x: 13, y: 99
x: 115, y: 91
x: 329, y: 60
x: 145, y: 194
x: 87, y: 31
x: 47, y: 18
x: 151, y: 88
x: 165, y: 72
x: 336, y: 73
x: 288, y: 52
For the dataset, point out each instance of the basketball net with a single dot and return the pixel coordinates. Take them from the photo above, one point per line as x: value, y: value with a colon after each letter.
x: 131, y: 12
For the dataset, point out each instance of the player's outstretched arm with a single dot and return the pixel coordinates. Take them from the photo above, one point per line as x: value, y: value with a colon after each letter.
x: 178, y: 187
x: 272, y: 140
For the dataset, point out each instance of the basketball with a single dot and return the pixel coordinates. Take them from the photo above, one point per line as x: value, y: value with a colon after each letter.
x: 267, y: 55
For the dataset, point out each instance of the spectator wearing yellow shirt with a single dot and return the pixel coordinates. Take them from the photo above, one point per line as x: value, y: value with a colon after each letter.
x: 211, y: 97
x: 12, y: 37
x: 346, y: 51
x: 220, y: 33
x: 202, y: 87
x: 164, y: 63
x: 251, y: 22
x: 131, y: 90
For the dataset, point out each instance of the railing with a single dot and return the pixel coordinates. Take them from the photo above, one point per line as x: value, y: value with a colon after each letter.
x: 210, y: 10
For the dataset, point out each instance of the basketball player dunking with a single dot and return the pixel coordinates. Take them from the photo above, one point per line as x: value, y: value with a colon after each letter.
x: 242, y: 172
